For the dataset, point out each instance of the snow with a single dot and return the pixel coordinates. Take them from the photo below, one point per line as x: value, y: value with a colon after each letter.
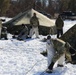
x: 24, y: 58
x: 68, y: 24
x: 5, y: 18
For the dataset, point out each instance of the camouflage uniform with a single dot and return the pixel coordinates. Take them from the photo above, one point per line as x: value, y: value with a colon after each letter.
x: 23, y: 34
x: 0, y: 27
x: 61, y: 50
x: 34, y: 23
x: 59, y: 25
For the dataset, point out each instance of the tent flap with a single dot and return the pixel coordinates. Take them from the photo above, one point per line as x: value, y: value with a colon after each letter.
x: 24, y: 18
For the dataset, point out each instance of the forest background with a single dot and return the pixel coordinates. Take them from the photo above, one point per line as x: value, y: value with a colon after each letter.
x: 11, y: 8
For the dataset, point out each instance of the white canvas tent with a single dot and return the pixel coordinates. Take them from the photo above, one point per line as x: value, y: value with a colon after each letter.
x: 24, y: 18
x: 43, y: 20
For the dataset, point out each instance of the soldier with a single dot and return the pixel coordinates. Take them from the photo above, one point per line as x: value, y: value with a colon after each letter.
x: 0, y: 27
x: 24, y: 33
x: 34, y: 23
x: 59, y: 25
x: 4, y: 33
x: 50, y: 50
x: 59, y: 50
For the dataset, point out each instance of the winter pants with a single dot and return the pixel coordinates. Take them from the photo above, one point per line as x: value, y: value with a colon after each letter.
x: 34, y: 30
x: 61, y: 60
x: 59, y: 32
x: 23, y: 35
x: 50, y: 52
x: 59, y: 57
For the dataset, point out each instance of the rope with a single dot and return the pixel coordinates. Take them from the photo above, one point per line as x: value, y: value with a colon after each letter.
x: 33, y: 67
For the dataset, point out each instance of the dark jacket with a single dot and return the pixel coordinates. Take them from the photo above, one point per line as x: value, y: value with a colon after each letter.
x: 34, y: 21
x: 23, y: 33
x: 59, y: 23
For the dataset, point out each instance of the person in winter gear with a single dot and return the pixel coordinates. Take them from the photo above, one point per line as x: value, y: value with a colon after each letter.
x: 59, y: 26
x: 24, y: 33
x: 62, y: 50
x: 34, y: 22
x: 59, y: 50
x: 50, y: 51
x: 4, y: 33
x: 0, y: 27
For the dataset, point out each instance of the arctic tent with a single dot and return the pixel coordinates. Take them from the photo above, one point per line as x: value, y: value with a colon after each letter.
x: 46, y: 25
x: 70, y: 36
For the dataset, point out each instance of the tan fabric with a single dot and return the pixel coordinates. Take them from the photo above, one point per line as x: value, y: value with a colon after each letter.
x: 59, y: 45
x: 61, y: 49
x: 43, y: 20
x: 68, y: 54
x: 61, y: 60
x: 0, y: 24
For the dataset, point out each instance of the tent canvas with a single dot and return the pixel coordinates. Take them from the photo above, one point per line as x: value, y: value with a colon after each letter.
x: 24, y: 18
x: 43, y: 20
x: 70, y: 37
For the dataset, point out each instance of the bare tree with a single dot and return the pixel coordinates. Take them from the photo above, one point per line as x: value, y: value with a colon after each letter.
x: 64, y: 5
x: 4, y: 6
x: 72, y: 5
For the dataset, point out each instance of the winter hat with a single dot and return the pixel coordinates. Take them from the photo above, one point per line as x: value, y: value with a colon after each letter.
x: 48, y: 37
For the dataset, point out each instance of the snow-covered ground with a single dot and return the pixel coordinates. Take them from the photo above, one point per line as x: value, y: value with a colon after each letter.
x: 24, y: 58
x: 5, y: 18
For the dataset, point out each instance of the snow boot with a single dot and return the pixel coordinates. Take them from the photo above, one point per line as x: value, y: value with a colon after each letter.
x: 13, y: 36
x: 6, y: 38
x: 49, y: 71
x: 60, y: 65
x: 28, y: 37
x: 50, y: 68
